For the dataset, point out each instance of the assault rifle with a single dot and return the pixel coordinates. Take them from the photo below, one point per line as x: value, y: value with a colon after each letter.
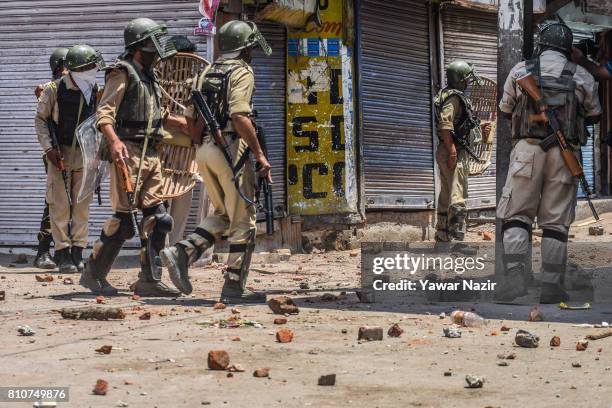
x: 126, y: 183
x: 547, y: 115
x: 61, y: 165
x: 215, y: 130
x: 463, y: 144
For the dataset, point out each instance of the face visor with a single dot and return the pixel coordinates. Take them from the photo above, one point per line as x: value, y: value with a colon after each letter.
x: 162, y: 43
x: 257, y: 39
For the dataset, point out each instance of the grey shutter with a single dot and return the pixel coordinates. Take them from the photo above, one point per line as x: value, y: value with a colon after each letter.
x: 471, y: 35
x: 396, y: 104
x: 30, y: 30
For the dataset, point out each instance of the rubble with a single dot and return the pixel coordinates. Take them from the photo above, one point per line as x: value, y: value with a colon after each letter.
x: 370, y: 333
x: 68, y: 281
x: 261, y: 372
x: 145, y: 316
x: 536, y: 315
x: 2, y: 295
x: 474, y: 381
x: 525, y: 339
x: 576, y: 364
x: 93, y: 313
x: 503, y: 363
x: 505, y: 328
x: 44, y: 278
x: 395, y: 331
x: 235, y: 311
x: 218, y: 359
x: 282, y: 305
x: 582, y: 345
x: 219, y: 306
x: 327, y: 380
x: 280, y: 320
x: 451, y: 332
x: 236, y: 368
x: 106, y: 349
x: 284, y: 336
x: 100, y: 299
x: 101, y: 387
x: 596, y: 230
x: 26, y: 331
x: 555, y: 341
x: 487, y: 236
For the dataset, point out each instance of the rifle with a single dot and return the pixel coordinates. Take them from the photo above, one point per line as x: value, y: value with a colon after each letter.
x: 129, y: 190
x: 464, y: 145
x: 61, y: 165
x: 215, y: 130
x: 264, y: 186
x: 547, y: 115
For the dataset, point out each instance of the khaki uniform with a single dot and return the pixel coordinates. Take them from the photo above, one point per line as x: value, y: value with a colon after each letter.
x: 56, y: 194
x: 453, y: 194
x: 538, y: 182
x: 45, y: 237
x: 232, y: 215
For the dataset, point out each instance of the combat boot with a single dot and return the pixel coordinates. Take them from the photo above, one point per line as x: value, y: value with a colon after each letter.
x: 144, y: 288
x: 64, y: 261
x: 43, y: 259
x: 514, y: 286
x: 96, y: 282
x: 553, y: 293
x: 176, y: 260
x: 234, y: 292
x: 77, y: 257
x: 463, y: 249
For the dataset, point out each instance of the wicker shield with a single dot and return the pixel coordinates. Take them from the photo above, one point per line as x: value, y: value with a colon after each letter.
x: 483, y: 97
x: 177, y: 77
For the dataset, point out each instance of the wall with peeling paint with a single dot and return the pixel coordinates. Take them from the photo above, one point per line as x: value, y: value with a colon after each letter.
x: 321, y: 176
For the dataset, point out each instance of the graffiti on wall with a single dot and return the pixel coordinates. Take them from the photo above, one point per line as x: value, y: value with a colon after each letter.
x: 321, y: 175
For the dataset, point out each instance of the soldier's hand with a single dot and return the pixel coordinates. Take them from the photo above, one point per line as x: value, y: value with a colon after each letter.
x: 452, y: 158
x: 118, y: 151
x: 55, y: 157
x: 264, y: 168
x: 38, y: 91
x: 485, y: 128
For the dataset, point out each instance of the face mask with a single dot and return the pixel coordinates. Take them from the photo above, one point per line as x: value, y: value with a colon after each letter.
x: 85, y: 80
x: 147, y: 58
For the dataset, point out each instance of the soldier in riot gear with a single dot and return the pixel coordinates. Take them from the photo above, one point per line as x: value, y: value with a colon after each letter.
x: 228, y: 87
x: 64, y: 104
x: 43, y: 258
x: 457, y: 126
x: 130, y: 117
x: 538, y: 183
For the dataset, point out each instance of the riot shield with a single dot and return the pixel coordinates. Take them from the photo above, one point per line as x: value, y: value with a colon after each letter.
x: 95, y: 167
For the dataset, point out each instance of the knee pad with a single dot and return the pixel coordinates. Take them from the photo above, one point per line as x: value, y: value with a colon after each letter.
x: 119, y: 227
x: 164, y: 223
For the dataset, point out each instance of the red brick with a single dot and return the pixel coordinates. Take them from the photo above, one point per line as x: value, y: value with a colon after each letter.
x: 284, y: 336
x: 101, y: 387
x: 218, y: 359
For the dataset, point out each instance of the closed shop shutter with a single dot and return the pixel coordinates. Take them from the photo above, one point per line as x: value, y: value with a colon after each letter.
x: 30, y: 31
x: 396, y: 104
x: 471, y: 36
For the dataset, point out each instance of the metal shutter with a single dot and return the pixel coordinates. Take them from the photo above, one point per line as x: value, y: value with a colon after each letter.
x: 269, y: 101
x: 30, y: 31
x: 396, y: 104
x: 471, y: 35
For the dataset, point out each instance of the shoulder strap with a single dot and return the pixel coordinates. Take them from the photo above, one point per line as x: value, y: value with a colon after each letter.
x: 569, y: 70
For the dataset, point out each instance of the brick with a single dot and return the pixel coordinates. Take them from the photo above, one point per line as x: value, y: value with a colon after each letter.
x: 370, y: 333
x: 218, y: 359
x: 145, y: 316
x: 101, y: 387
x: 261, y: 372
x: 284, y: 336
x: 395, y: 331
x: 282, y: 305
x: 555, y: 341
x: 280, y: 320
x: 219, y: 306
x: 327, y: 380
x: 106, y: 349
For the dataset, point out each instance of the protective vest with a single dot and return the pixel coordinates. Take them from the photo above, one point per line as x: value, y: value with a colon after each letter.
x: 140, y: 109
x: 215, y: 87
x: 68, y: 103
x: 466, y: 126
x: 559, y: 94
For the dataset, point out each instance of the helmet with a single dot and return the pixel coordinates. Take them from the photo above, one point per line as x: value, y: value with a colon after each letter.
x: 458, y: 72
x: 555, y: 35
x: 183, y: 44
x: 140, y: 29
x: 81, y: 55
x: 58, y: 58
x: 237, y: 35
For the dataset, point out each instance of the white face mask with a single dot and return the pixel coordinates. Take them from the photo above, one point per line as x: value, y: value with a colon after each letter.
x: 85, y: 80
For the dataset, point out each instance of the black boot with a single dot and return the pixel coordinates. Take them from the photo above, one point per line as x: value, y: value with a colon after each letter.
x: 43, y: 259
x: 64, y: 261
x: 234, y: 292
x: 514, y: 286
x: 147, y: 288
x: 176, y: 260
x: 553, y: 293
x: 96, y: 282
x: 77, y: 258
x: 463, y: 249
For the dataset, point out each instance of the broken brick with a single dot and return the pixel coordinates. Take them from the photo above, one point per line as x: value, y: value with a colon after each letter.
x: 280, y: 320
x: 370, y: 333
x: 100, y: 299
x: 219, y: 306
x: 218, y: 359
x: 135, y: 297
x: 2, y: 295
x: 555, y: 341
x: 504, y: 328
x: 235, y: 368
x: 261, y: 372
x: 101, y: 387
x: 44, y: 278
x: 235, y: 311
x: 487, y: 236
x: 145, y: 316
x: 582, y: 345
x: 282, y: 305
x: 536, y: 315
x: 327, y: 380
x: 284, y: 336
x: 106, y: 349
x: 395, y: 331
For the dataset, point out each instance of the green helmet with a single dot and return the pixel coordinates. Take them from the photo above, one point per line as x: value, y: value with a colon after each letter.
x: 82, y: 55
x: 458, y: 73
x: 237, y: 35
x: 140, y: 29
x: 58, y: 58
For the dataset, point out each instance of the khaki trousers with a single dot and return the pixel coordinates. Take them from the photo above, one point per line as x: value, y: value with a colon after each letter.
x: 538, y: 185
x: 232, y: 215
x: 451, y: 208
x: 179, y: 211
x: 59, y: 210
